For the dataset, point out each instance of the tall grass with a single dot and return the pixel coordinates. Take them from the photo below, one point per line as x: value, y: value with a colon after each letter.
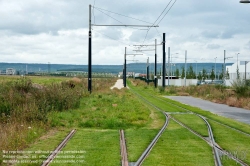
x: 24, y: 107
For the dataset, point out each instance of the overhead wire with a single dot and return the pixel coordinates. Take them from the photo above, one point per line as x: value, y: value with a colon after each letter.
x: 156, y: 20
x: 159, y: 18
x: 117, y: 19
x: 93, y: 12
x: 123, y: 15
x: 167, y: 12
x: 111, y: 38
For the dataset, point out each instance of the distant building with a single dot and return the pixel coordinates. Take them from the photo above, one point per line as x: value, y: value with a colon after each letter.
x: 232, y: 70
x: 10, y: 71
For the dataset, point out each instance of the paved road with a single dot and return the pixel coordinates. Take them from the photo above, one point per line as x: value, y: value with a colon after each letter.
x: 238, y: 114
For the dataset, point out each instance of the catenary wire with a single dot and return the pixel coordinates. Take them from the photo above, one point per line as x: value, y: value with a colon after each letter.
x: 123, y: 15
x: 117, y: 19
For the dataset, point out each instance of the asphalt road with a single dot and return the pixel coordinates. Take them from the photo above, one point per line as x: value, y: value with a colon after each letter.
x: 238, y: 114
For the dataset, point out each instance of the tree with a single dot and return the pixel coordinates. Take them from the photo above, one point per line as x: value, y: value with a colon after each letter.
x: 204, y: 74
x: 190, y: 72
x: 237, y: 72
x: 222, y: 73
x: 212, y: 76
x: 227, y: 75
x: 177, y: 72
x: 182, y: 72
x: 199, y: 76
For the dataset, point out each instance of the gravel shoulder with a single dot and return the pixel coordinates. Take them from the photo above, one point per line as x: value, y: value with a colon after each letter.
x: 238, y: 114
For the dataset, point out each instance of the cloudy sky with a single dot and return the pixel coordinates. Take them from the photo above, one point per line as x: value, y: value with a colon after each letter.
x: 56, y: 31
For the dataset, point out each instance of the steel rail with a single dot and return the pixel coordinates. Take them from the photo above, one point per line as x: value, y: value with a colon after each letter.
x: 212, y: 143
x: 124, y: 155
x: 154, y: 141
x: 242, y: 132
x: 215, y: 145
x: 58, y: 149
x: 211, y: 136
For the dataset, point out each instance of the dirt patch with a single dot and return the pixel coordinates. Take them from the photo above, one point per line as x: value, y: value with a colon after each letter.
x: 49, y: 134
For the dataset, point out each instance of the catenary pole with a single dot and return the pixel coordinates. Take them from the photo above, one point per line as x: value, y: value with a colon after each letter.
x: 163, y: 62
x: 155, y: 63
x: 148, y: 70
x: 185, y: 67
x: 125, y: 66
x: 90, y: 55
x: 168, y: 64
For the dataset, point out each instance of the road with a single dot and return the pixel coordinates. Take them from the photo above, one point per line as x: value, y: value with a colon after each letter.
x: 238, y: 114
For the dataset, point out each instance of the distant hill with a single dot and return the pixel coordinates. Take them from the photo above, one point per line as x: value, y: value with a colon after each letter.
x: 132, y: 67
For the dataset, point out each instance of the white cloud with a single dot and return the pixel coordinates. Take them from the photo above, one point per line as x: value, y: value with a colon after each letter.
x: 34, y: 31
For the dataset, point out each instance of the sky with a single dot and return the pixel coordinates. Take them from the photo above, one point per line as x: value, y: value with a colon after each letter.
x: 42, y: 31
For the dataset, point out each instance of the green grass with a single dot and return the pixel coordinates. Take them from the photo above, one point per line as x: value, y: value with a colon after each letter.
x: 177, y: 146
x: 44, y: 145
x: 194, y: 122
x: 109, y: 110
x: 137, y: 141
x: 227, y: 121
x: 45, y: 80
x: 93, y: 148
x: 232, y: 141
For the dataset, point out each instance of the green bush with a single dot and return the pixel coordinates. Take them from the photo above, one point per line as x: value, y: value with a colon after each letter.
x: 21, y: 99
x: 241, y: 88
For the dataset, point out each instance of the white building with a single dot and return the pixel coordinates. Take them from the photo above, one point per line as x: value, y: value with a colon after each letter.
x: 232, y: 70
x: 10, y: 71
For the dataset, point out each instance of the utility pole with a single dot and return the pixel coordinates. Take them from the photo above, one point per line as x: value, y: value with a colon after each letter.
x: 90, y: 47
x: 163, y: 62
x: 224, y: 67
x: 215, y: 67
x: 125, y: 71
x: 185, y: 67
x: 155, y: 63
x: 155, y: 75
x: 168, y: 64
x: 148, y: 70
x: 125, y: 67
x: 90, y: 55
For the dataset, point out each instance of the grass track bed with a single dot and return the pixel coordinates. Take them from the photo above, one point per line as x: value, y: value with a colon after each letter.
x: 194, y: 122
x: 227, y: 121
x: 177, y: 146
x: 232, y: 141
x: 99, y: 147
x: 137, y: 141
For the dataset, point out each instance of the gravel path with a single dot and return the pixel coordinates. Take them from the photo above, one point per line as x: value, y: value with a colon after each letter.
x: 118, y: 84
x: 238, y: 114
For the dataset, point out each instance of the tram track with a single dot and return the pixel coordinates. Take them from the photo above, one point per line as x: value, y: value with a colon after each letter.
x: 216, y: 149
x: 58, y: 148
x: 191, y: 112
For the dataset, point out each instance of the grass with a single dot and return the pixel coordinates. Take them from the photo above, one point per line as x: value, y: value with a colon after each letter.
x: 177, y: 146
x: 227, y: 121
x: 134, y: 147
x: 93, y: 148
x: 43, y: 146
x: 107, y: 110
x: 194, y: 122
x: 102, y: 113
x: 232, y: 141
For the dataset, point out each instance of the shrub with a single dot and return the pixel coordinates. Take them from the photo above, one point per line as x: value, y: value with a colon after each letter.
x: 240, y: 87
